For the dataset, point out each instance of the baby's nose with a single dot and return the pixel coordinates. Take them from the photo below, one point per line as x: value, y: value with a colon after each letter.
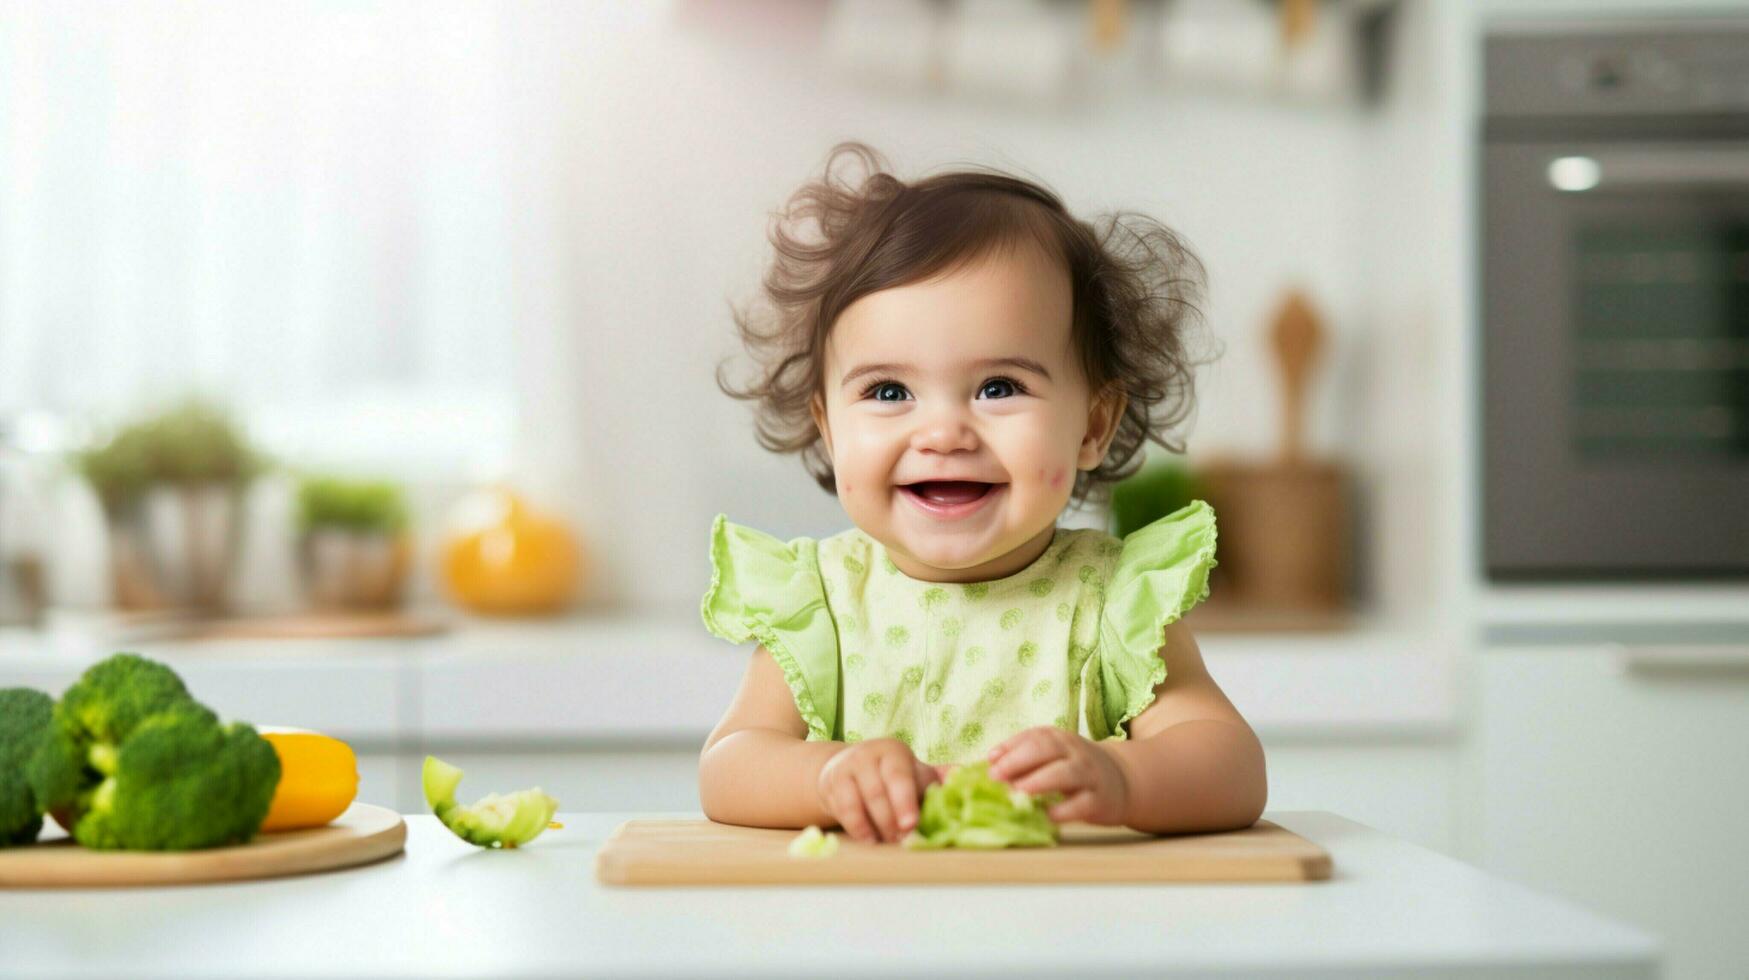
x: 945, y: 432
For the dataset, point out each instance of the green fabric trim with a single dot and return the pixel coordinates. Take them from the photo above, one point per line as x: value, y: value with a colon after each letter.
x: 763, y: 589
x: 1161, y: 574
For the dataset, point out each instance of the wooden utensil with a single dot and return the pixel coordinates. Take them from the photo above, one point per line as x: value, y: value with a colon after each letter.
x: 364, y: 833
x: 702, y: 852
x: 1297, y: 17
x: 1108, y: 24
x: 1297, y: 340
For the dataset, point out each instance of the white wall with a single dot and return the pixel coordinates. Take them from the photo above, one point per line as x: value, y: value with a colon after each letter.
x: 644, y: 146
x: 679, y: 142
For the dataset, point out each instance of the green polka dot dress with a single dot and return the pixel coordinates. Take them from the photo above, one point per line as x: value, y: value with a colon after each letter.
x: 952, y: 669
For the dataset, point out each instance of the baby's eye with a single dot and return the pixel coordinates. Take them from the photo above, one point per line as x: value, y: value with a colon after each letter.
x: 1000, y: 388
x: 887, y: 391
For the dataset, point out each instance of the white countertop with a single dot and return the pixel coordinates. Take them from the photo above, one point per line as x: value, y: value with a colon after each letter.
x: 665, y: 680
x: 447, y: 909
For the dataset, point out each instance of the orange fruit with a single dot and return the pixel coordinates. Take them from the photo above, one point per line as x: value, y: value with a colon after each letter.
x: 509, y: 559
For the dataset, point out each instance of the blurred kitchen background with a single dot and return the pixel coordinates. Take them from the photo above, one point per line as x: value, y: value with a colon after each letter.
x: 358, y: 360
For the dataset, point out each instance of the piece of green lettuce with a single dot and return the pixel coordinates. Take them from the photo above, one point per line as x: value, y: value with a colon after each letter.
x: 495, y: 820
x: 813, y: 843
x: 970, y: 808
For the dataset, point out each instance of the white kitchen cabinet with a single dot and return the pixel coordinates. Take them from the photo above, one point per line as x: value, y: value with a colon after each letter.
x: 1405, y: 787
x: 610, y: 714
x: 1623, y: 789
x: 580, y: 777
x: 379, y: 779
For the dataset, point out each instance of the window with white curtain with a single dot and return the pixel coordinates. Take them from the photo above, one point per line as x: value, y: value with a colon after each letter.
x: 306, y: 210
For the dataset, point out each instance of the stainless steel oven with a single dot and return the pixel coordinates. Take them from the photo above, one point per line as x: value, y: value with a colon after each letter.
x: 1615, y: 301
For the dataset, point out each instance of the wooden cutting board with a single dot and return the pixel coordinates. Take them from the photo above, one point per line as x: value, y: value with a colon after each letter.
x: 171, y: 625
x: 318, y: 626
x: 702, y: 852
x: 364, y: 833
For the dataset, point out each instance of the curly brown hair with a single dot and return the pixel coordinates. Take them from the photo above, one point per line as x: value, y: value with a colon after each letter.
x: 1135, y: 290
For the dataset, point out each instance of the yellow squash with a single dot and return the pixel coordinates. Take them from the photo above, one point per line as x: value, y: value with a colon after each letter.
x: 318, y: 779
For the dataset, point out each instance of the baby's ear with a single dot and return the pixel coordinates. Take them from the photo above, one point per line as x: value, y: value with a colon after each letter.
x: 1103, y: 416
x: 817, y: 408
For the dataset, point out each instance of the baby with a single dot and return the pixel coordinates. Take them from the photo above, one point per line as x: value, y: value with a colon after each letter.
x: 957, y: 358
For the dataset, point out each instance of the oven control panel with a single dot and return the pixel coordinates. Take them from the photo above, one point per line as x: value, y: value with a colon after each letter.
x: 1691, y: 67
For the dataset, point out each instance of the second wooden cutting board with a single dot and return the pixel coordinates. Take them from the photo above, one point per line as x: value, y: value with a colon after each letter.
x: 702, y: 852
x: 361, y: 835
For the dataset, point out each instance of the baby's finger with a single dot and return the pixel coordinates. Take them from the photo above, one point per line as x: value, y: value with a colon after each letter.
x: 1001, y: 748
x: 847, y: 807
x: 902, y: 791
x: 1025, y: 756
x: 874, y: 796
x: 1060, y: 776
x: 1077, y: 807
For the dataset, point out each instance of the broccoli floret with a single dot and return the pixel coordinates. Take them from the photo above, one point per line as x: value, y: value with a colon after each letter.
x: 57, y: 774
x: 118, y: 693
x: 92, y: 718
x: 181, y: 780
x: 26, y: 719
x: 20, y: 820
x: 133, y: 761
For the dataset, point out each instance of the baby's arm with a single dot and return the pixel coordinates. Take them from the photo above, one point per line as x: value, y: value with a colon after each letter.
x: 1192, y: 762
x: 757, y: 769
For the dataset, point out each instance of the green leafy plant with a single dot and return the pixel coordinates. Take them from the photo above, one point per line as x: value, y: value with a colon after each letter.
x: 1159, y: 488
x: 192, y: 442
x: 360, y: 506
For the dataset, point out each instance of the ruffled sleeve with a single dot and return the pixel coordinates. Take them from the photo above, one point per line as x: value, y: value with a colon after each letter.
x: 1161, y: 573
x: 764, y: 589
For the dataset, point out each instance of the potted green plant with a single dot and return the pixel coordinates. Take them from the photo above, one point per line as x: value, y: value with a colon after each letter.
x: 353, y: 546
x: 1160, y: 487
x: 171, y: 488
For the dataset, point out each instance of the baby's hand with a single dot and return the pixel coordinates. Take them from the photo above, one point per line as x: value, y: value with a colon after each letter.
x: 1046, y: 759
x: 872, y: 789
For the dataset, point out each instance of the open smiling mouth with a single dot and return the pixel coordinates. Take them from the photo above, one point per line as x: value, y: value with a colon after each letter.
x: 950, y: 498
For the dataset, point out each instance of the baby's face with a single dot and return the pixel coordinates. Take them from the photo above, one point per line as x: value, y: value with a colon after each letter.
x: 956, y: 415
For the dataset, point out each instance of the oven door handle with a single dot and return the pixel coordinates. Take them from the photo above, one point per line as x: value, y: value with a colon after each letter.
x: 1695, y: 166
x: 1715, y: 660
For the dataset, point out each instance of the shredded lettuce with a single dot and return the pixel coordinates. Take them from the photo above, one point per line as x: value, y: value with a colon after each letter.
x: 970, y: 808
x: 812, y: 843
